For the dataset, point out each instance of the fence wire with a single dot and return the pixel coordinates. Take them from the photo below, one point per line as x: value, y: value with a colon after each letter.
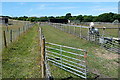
x: 105, y: 38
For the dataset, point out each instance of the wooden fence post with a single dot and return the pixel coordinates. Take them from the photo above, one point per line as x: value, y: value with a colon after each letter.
x: 81, y: 31
x: 19, y: 31
x: 103, y: 32
x: 74, y: 30
x: 118, y: 30
x: 40, y: 32
x: 5, y: 43
x: 10, y: 35
x: 43, y: 57
x: 23, y: 29
x: 69, y: 29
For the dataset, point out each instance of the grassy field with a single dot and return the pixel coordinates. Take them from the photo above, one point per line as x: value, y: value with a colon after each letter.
x: 99, y: 60
x: 22, y: 58
x: 84, y: 31
x: 108, y: 32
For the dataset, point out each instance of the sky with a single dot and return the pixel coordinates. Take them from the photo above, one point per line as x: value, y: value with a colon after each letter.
x: 39, y: 9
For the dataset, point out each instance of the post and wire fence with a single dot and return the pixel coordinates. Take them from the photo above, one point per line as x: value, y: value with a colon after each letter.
x: 70, y: 59
x: 103, y: 37
x: 12, y: 32
x: 45, y: 68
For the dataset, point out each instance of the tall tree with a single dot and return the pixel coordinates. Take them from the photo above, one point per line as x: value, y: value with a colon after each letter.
x: 68, y: 15
x: 79, y: 17
x: 88, y: 18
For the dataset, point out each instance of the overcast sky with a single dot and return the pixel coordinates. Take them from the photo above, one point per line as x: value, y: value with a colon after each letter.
x: 57, y: 8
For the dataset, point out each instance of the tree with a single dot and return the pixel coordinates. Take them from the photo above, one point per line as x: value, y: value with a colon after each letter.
x: 116, y: 17
x: 106, y: 17
x: 95, y: 19
x: 88, y: 18
x: 51, y: 17
x: 60, y: 17
x: 44, y: 19
x: 68, y: 15
x: 79, y: 17
x: 72, y: 18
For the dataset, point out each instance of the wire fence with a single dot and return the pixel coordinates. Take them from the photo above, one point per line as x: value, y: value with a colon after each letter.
x: 103, y: 37
x: 11, y: 33
x: 45, y: 68
x: 70, y: 59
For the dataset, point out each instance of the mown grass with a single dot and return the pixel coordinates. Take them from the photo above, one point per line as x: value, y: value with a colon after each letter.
x: 22, y: 58
x: 96, y: 64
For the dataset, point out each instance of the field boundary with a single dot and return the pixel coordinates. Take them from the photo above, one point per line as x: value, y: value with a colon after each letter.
x: 11, y: 35
x: 100, y: 38
x: 58, y: 57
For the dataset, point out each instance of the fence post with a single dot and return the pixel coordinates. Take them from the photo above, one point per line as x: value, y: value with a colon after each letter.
x: 89, y: 34
x: 5, y: 43
x: 43, y: 57
x: 40, y: 31
x: 74, y: 30
x: 103, y: 32
x: 81, y: 31
x: 10, y: 35
x: 19, y: 31
x: 23, y: 29
x: 69, y: 29
x: 118, y: 30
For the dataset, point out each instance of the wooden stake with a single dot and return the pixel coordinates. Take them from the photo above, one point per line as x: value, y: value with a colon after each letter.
x: 19, y: 31
x: 10, y: 35
x: 43, y: 57
x: 5, y: 43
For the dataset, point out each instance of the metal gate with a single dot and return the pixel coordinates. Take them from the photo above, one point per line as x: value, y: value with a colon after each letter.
x: 67, y: 58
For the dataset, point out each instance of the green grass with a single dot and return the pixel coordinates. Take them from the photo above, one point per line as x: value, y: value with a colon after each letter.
x: 15, y: 26
x: 107, y: 32
x: 96, y: 63
x: 22, y: 58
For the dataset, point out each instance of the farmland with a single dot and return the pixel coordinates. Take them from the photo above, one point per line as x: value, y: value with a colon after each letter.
x: 61, y: 40
x: 99, y: 60
x: 24, y: 55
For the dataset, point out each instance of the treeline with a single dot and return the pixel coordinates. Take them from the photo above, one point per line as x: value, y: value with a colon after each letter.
x: 105, y: 17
